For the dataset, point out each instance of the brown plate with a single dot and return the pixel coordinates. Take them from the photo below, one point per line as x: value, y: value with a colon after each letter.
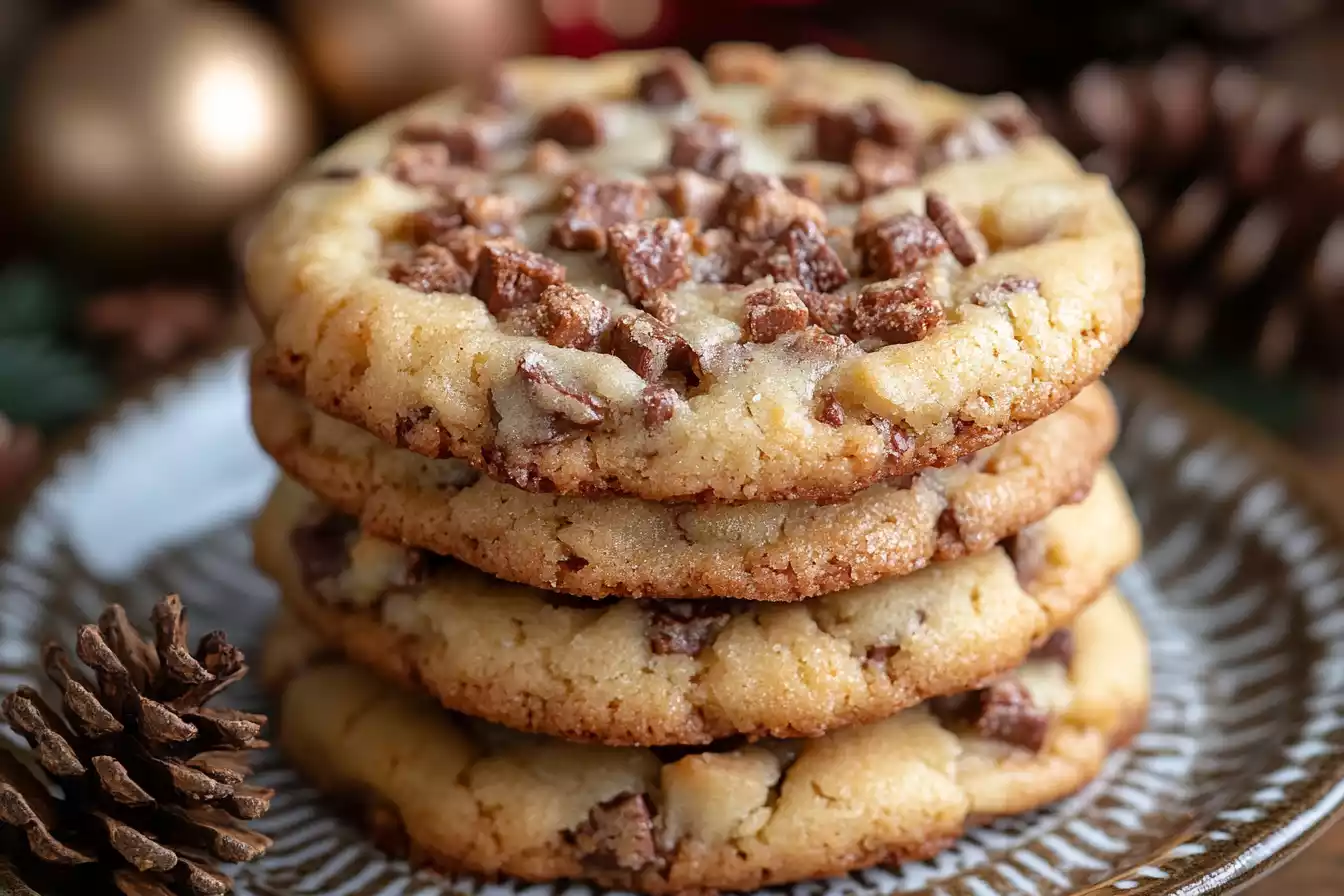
x: 1241, y: 589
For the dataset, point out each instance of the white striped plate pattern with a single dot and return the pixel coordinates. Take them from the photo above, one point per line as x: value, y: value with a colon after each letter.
x: 1241, y: 590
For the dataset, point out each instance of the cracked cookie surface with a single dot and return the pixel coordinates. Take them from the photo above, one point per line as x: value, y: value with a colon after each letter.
x: 621, y: 671
x: 466, y: 796
x: 755, y: 291
x: 634, y: 548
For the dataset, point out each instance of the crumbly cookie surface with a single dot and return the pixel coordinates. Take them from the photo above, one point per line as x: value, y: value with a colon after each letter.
x: 466, y: 796
x: 689, y: 671
x: 634, y: 548
x: 713, y: 289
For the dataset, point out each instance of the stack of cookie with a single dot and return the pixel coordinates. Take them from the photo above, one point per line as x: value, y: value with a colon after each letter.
x: 697, y: 475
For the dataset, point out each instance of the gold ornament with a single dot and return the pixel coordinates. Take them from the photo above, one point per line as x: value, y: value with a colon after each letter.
x: 370, y: 56
x: 148, y: 125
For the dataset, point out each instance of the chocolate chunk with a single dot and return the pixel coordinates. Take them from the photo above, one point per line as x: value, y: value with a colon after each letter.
x: 658, y: 404
x: 831, y: 412
x: 591, y: 206
x: 1029, y: 551
x: 814, y: 343
x: 546, y: 391
x: 684, y: 627
x: 832, y: 313
x: 493, y: 214
x: 666, y: 84
x: 876, y: 169
x: 998, y: 293
x: 706, y: 147
x: 896, y: 246
x: 323, y: 547
x: 950, y: 543
x: 467, y: 244
x: 966, y: 243
x: 431, y: 225
x: 838, y: 131
x: 651, y: 257
x: 772, y: 312
x: 549, y: 157
x: 897, y: 311
x: 760, y: 207
x: 806, y: 184
x: 799, y: 255
x: 1059, y: 648
x: 468, y: 142
x: 1004, y: 711
x: 507, y: 277
x: 418, y: 164
x: 963, y: 141
x: 618, y: 833
x: 576, y: 125
x: 692, y: 195
x: 571, y: 318
x: 650, y: 347
x: 433, y: 268
x: 742, y: 63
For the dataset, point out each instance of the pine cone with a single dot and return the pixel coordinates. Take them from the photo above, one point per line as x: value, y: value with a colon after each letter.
x: 1238, y: 190
x: 151, y: 779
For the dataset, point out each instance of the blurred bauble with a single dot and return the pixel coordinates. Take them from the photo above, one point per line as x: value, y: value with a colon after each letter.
x: 371, y: 56
x: 146, y: 126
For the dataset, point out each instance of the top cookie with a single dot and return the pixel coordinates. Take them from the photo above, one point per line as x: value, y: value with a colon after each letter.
x: 781, y: 276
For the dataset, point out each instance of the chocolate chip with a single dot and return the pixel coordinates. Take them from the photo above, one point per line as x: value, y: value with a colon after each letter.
x: 1004, y: 711
x: 493, y: 214
x: 693, y: 195
x: 651, y: 258
x: 322, y: 547
x: 966, y: 243
x: 876, y: 169
x: 433, y: 268
x: 832, y: 313
x: 799, y: 255
x: 1029, y: 551
x: 770, y: 313
x: 658, y: 404
x: 963, y: 141
x: 571, y: 318
x: 591, y: 206
x: 897, y: 311
x: 468, y: 142
x: 618, y: 833
x: 742, y: 63
x: 706, y: 147
x: 576, y: 125
x: 1059, y: 648
x: 651, y: 348
x: 831, y: 412
x: 418, y: 164
x: 545, y: 390
x: 837, y: 132
x: 667, y: 84
x: 813, y: 343
x: 684, y: 627
x: 507, y: 277
x: 467, y: 244
x: 998, y: 293
x: 760, y: 207
x: 430, y: 225
x: 896, y: 246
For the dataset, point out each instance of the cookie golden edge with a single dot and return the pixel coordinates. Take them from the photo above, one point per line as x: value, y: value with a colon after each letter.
x: 896, y: 790
x: 592, y: 673
x: 315, y: 350
x: 579, y: 546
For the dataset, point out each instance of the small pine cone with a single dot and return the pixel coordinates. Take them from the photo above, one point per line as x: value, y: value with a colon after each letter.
x: 1238, y: 190
x: 151, y: 779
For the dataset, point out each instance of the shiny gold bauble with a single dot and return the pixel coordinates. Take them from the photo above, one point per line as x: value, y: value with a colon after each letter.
x: 369, y: 56
x: 150, y: 124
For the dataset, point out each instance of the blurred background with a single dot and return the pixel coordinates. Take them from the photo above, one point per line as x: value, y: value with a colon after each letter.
x: 139, y: 138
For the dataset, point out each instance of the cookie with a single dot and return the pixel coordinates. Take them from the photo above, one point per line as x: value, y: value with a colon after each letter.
x: 634, y: 548
x: 465, y: 796
x: 753, y: 292
x: 688, y: 671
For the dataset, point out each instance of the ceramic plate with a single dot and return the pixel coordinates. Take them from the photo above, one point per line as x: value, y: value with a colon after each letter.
x: 1241, y: 589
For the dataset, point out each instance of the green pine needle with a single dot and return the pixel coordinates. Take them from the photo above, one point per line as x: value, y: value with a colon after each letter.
x: 32, y: 301
x: 45, y: 383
